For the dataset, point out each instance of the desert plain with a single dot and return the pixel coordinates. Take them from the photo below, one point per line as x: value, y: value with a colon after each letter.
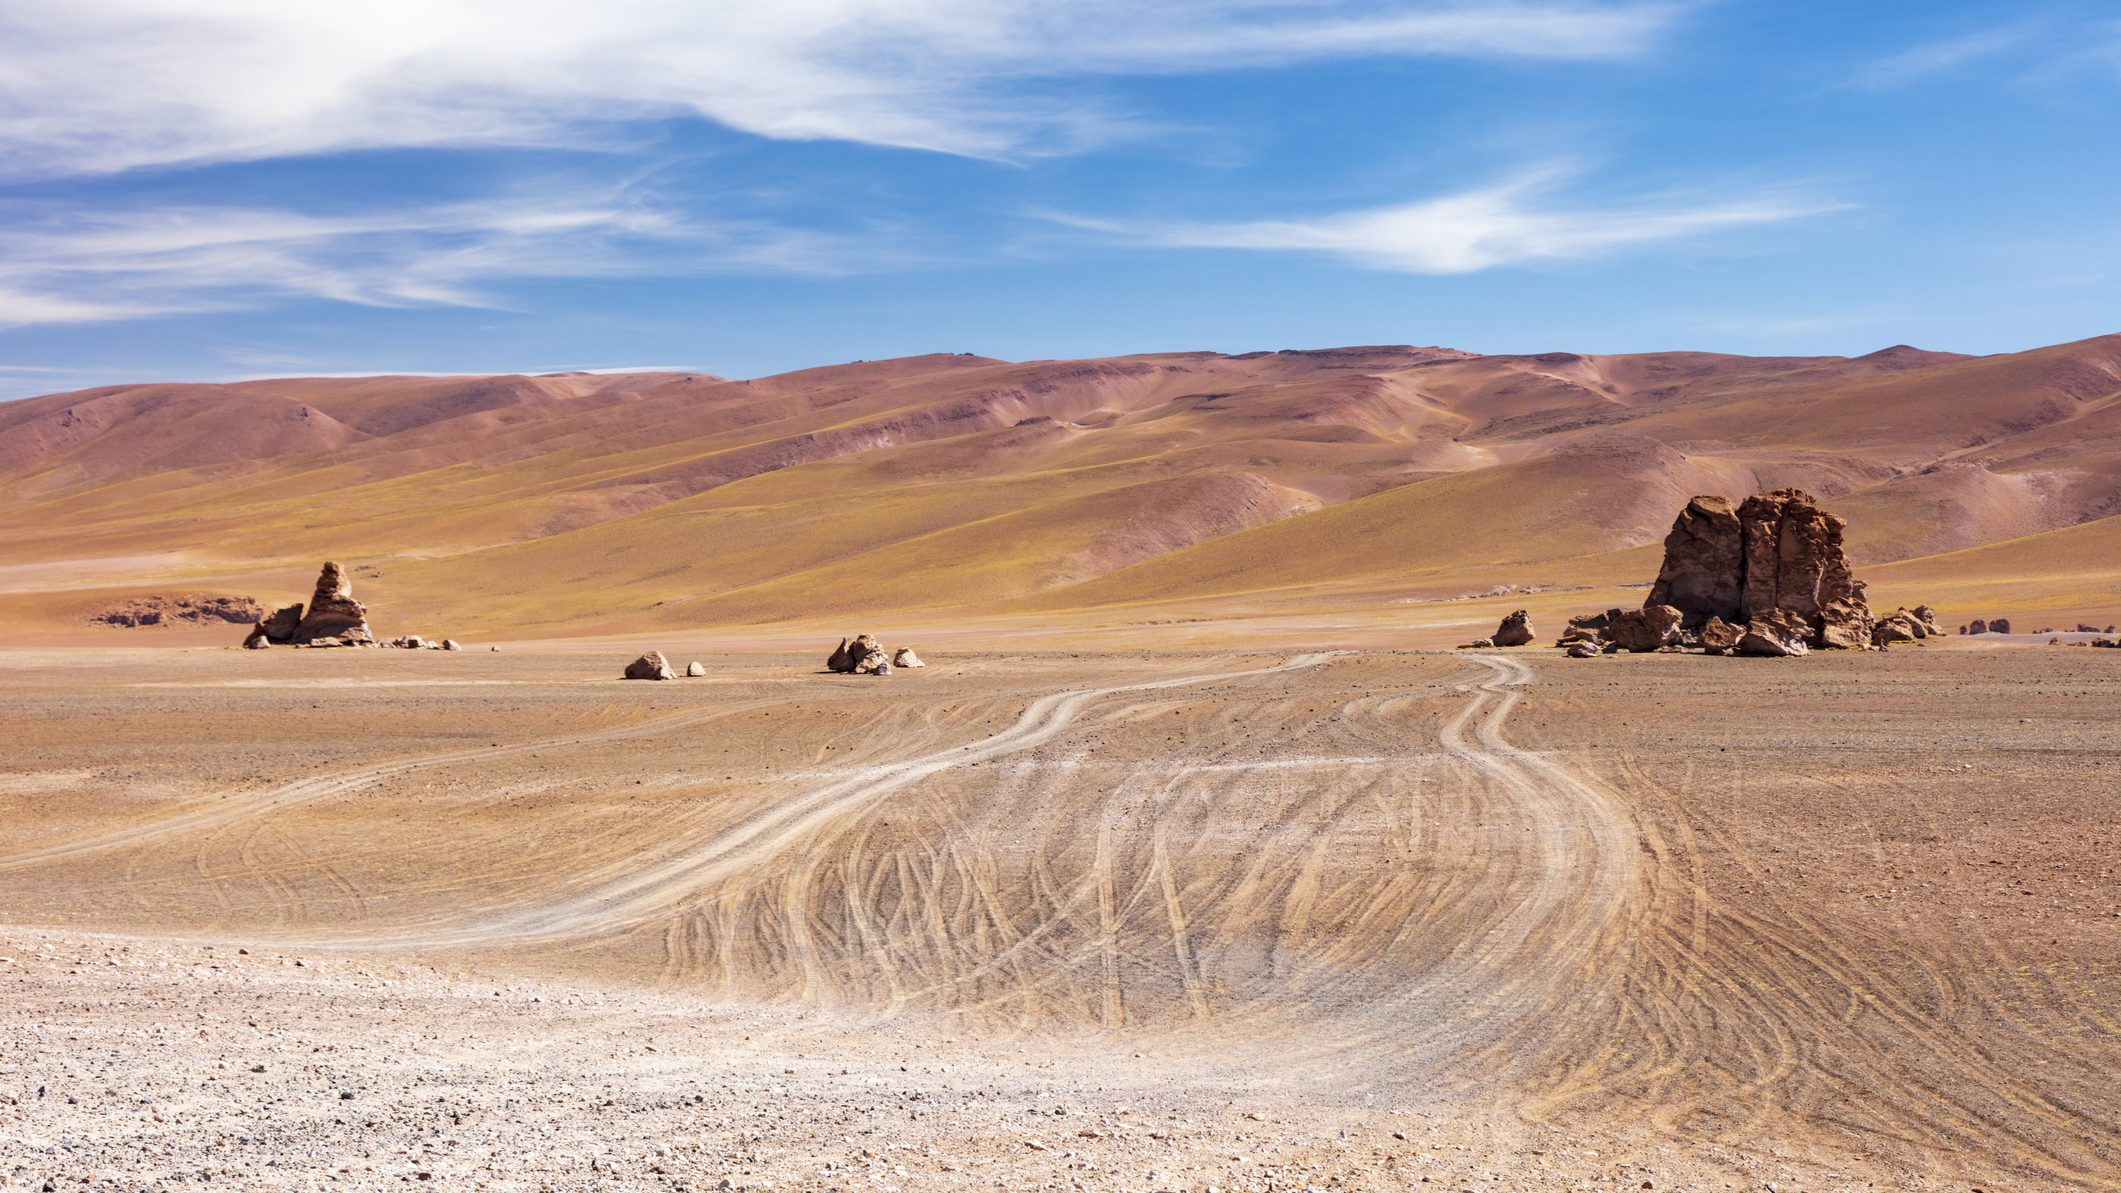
x: 1196, y: 858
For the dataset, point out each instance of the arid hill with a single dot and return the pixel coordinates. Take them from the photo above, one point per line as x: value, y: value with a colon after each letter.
x: 959, y: 486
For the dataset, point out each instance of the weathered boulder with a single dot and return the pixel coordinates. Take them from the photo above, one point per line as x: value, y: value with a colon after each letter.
x: 841, y: 661
x: 1586, y: 627
x: 1515, y: 630
x: 864, y: 654
x: 1926, y: 617
x: 650, y: 666
x: 1646, y: 629
x: 1584, y: 650
x: 1895, y: 627
x: 695, y: 669
x: 257, y: 639
x: 1977, y: 626
x: 1777, y: 633
x: 2107, y: 642
x: 1479, y: 644
x: 1999, y: 625
x: 1718, y: 636
x: 2087, y: 629
x: 1703, y: 574
x: 333, y: 611
x: 880, y: 668
x: 904, y: 657
x: 450, y: 644
x: 410, y: 642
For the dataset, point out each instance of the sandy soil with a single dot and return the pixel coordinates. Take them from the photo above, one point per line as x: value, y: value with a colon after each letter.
x: 1093, y: 919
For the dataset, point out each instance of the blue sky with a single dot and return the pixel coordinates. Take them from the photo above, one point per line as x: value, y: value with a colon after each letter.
x: 236, y: 188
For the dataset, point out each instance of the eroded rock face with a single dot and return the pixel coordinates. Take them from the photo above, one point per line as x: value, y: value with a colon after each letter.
x: 1643, y: 630
x: 1704, y: 563
x: 1777, y: 552
x: 1926, y: 617
x: 650, y: 666
x: 334, y: 613
x: 281, y: 626
x: 1896, y: 627
x: 1777, y: 633
x: 906, y: 658
x: 840, y: 661
x: 1515, y: 630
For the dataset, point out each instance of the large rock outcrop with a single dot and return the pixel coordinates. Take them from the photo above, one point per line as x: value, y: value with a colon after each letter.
x: 334, y: 616
x: 1778, y: 552
x: 1704, y: 563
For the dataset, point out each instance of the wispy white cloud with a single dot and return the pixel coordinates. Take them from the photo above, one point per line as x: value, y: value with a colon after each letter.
x: 1930, y: 59
x: 102, y: 85
x: 1515, y: 222
x: 73, y: 265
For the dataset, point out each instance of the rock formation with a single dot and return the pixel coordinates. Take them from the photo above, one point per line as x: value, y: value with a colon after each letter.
x: 1778, y: 552
x: 1703, y: 575
x: 906, y: 658
x: 450, y: 644
x: 1649, y: 628
x: 334, y: 618
x: 695, y: 669
x: 1515, y: 630
x: 1586, y: 627
x: 841, y: 661
x: 650, y: 666
x: 1976, y: 626
x: 1999, y: 625
x: 866, y: 654
x: 279, y: 629
x: 1775, y: 634
x: 1718, y: 636
x: 162, y: 610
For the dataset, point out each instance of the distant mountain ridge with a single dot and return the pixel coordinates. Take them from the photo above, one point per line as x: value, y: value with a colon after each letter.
x: 965, y: 485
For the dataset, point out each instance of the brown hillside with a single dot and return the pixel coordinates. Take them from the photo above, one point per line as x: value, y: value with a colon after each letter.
x: 960, y: 486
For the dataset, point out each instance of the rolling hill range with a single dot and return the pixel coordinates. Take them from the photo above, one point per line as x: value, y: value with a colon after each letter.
x: 1393, y: 482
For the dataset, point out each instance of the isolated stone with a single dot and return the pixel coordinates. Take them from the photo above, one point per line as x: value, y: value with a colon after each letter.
x: 904, y: 657
x: 333, y: 611
x: 1777, y: 551
x: 1515, y: 630
x: 2000, y: 625
x: 1641, y: 631
x: 695, y: 669
x: 450, y: 644
x: 650, y: 666
x: 1977, y: 626
x: 1775, y: 634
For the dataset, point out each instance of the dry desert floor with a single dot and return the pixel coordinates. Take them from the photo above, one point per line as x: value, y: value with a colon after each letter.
x: 1105, y: 919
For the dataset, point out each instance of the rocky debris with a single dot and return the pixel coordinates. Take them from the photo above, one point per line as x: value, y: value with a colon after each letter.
x: 1643, y: 630
x: 1777, y: 633
x: 1515, y: 630
x: 650, y: 666
x: 2087, y: 629
x: 695, y: 669
x: 450, y: 644
x: 410, y: 642
x: 2053, y: 641
x: 334, y: 618
x: 257, y: 640
x: 1718, y: 636
x: 1976, y: 626
x: 1704, y: 570
x: 2107, y: 642
x: 1926, y: 617
x: 1586, y: 627
x: 1479, y: 644
x: 904, y: 657
x: 161, y: 610
x: 1584, y: 650
x: 861, y: 655
x: 280, y: 627
x: 882, y: 667
x: 1896, y: 627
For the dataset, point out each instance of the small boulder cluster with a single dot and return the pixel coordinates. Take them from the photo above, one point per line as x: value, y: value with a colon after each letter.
x: 864, y: 655
x: 1768, y: 578
x: 654, y: 666
x: 332, y: 618
x: 2001, y: 625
